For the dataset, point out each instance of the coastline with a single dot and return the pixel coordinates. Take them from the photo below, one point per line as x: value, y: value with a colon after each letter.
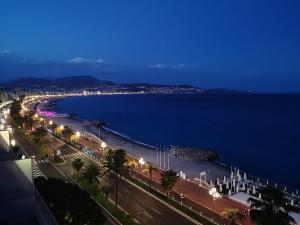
x: 135, y: 148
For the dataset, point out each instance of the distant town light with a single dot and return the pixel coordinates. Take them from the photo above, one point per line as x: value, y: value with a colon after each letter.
x: 50, y: 122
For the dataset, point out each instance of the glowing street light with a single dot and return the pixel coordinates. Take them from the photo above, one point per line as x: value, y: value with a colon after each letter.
x: 23, y: 157
x: 77, y: 133
x: 1, y: 127
x: 103, y: 145
x: 13, y: 142
x: 50, y: 122
x: 213, y: 192
x: 61, y: 127
x: 36, y: 115
x: 142, y: 162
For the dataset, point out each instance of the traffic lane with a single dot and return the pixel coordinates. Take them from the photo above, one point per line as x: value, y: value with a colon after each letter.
x: 134, y: 200
x: 50, y: 171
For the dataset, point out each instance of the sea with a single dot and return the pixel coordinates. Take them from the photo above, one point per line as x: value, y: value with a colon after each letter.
x: 259, y: 133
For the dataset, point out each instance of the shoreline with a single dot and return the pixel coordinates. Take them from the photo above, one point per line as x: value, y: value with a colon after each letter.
x: 115, y: 139
x: 138, y: 149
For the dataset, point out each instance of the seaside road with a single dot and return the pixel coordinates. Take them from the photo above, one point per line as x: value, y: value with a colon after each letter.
x: 134, y: 200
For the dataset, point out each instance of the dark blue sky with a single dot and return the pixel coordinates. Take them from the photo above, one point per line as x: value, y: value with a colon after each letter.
x: 234, y: 39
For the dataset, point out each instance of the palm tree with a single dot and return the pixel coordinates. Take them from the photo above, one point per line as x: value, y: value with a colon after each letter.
x: 150, y: 168
x: 168, y: 180
x: 91, y: 174
x: 230, y: 215
x: 116, y: 164
x: 272, y: 208
x: 77, y: 164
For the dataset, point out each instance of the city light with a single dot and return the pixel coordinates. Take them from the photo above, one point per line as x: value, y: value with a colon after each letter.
x: 61, y: 127
x: 213, y: 192
x: 77, y: 134
x: 50, y: 122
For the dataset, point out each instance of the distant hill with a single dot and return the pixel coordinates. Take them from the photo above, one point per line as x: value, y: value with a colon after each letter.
x: 71, y: 82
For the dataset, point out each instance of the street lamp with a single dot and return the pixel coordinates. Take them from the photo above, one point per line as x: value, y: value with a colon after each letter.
x: 13, y: 142
x: 61, y: 127
x: 103, y: 145
x: 50, y: 122
x: 77, y: 134
x: 213, y: 192
x: 142, y: 162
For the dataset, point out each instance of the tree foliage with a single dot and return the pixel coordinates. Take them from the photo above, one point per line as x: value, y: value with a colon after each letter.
x: 271, y: 209
x: 91, y: 174
x: 69, y: 204
x: 116, y: 164
x: 77, y: 164
x: 168, y: 180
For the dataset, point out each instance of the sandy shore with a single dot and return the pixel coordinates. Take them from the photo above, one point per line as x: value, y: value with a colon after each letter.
x: 191, y: 168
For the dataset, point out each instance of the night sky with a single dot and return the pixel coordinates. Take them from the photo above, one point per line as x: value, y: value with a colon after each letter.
x: 233, y: 44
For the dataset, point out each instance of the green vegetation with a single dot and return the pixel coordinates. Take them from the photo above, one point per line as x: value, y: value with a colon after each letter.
x: 102, y: 199
x: 77, y: 165
x: 69, y: 204
x: 116, y: 164
x: 168, y: 180
x: 230, y: 215
x: 39, y: 133
x: 271, y: 209
x: 91, y: 174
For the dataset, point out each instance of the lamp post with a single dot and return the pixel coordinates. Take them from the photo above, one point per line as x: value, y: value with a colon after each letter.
x: 213, y: 192
x: 142, y: 162
x: 13, y: 142
x: 141, y: 214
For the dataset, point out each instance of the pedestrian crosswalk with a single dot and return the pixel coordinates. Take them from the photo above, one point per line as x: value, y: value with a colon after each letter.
x: 36, y: 172
x: 70, y: 155
x: 37, y: 161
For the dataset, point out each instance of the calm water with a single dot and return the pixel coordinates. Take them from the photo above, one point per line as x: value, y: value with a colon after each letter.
x: 259, y: 133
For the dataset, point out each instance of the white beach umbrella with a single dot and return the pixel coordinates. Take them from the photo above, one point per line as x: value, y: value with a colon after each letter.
x: 267, y: 182
x: 237, y: 189
x: 259, y: 195
x: 231, y: 175
x: 245, y: 176
x: 248, y: 191
x: 297, y: 192
x: 238, y: 172
x: 224, y: 179
x: 227, y: 185
x: 292, y: 202
x: 220, y: 188
x: 229, y: 193
x: 218, y: 181
x: 254, y: 191
x: 239, y: 177
x: 244, y: 187
x: 211, y: 183
x: 285, y: 188
x: 233, y: 182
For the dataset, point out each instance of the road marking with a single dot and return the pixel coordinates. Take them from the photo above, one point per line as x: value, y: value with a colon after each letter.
x: 147, y: 214
x: 156, y: 211
x: 127, y: 191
